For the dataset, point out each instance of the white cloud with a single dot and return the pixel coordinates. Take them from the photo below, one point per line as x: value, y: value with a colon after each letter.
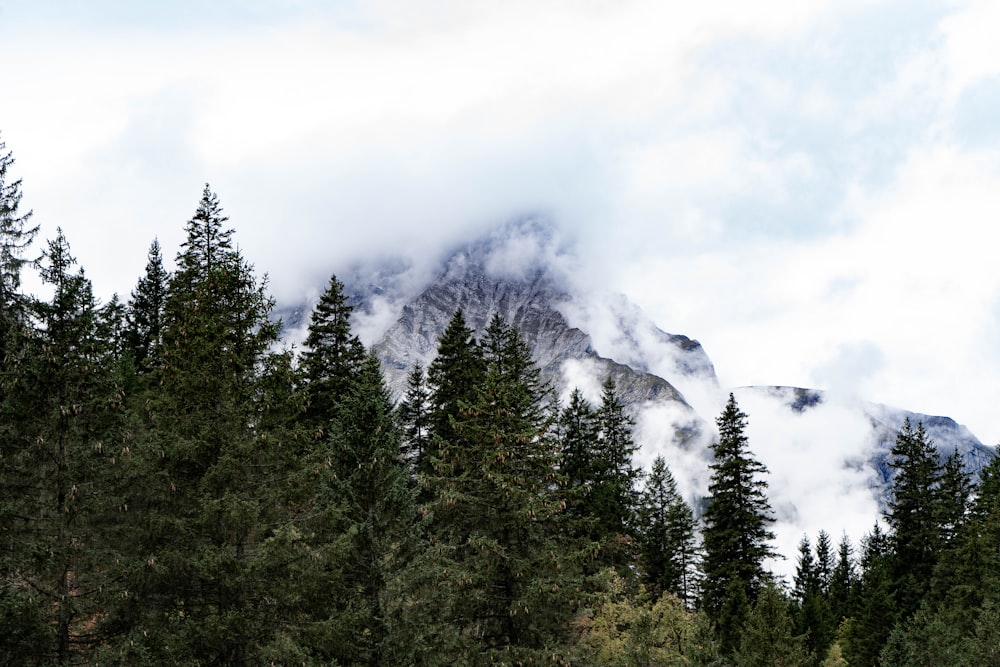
x: 782, y: 181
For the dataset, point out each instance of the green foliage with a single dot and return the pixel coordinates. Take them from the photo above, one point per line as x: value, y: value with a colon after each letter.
x: 812, y: 614
x: 174, y: 489
x: 144, y: 311
x: 496, y: 578
x: 332, y: 354
x: 60, y: 468
x: 414, y: 417
x: 842, y: 581
x: 667, y: 542
x: 913, y: 515
x: 874, y: 604
x: 199, y: 567
x: 455, y: 376
x: 379, y: 513
x: 15, y: 237
x: 767, y: 638
x: 596, y: 449
x: 628, y: 631
x: 736, y: 533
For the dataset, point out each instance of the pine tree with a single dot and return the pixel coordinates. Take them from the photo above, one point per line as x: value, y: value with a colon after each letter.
x: 497, y: 578
x: 414, y: 416
x: 806, y: 579
x: 812, y: 615
x: 23, y: 626
x: 667, y: 543
x: 736, y: 533
x: 379, y: 514
x: 15, y: 237
x: 615, y: 494
x: 824, y: 561
x: 454, y: 376
x: 842, y: 581
x: 954, y: 495
x: 144, y: 311
x: 869, y: 627
x: 578, y: 433
x: 913, y: 515
x: 768, y: 639
x: 332, y: 354
x: 60, y: 472
x: 214, y: 477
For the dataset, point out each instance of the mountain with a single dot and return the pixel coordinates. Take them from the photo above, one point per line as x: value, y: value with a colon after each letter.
x: 826, y: 454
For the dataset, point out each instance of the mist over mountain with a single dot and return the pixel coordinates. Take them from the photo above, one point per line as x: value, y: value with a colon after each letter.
x: 826, y: 454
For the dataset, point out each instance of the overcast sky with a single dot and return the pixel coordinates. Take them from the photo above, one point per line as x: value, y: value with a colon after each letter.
x: 810, y: 189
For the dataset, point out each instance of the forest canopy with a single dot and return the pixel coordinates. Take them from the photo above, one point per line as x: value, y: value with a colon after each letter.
x: 178, y: 488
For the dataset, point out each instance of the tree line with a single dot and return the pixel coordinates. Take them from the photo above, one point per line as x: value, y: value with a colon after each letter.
x: 178, y: 488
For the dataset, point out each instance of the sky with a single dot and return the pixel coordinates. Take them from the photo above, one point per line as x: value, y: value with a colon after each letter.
x: 809, y: 189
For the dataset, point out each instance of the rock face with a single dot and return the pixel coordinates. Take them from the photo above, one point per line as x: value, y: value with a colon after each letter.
x: 531, y: 303
x: 520, y: 273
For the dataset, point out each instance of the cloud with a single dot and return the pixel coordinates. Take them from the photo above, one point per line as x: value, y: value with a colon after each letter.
x: 785, y: 182
x: 818, y: 478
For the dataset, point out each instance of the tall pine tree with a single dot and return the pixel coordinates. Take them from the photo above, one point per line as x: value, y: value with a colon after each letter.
x: 667, y: 542
x: 913, y: 515
x: 61, y: 470
x: 214, y: 478
x: 497, y: 576
x: 144, y: 312
x: 379, y: 521
x: 332, y: 354
x: 736, y: 535
x: 15, y: 237
x: 454, y: 377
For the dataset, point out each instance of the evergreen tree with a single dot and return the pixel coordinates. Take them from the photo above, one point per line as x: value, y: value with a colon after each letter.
x: 736, y: 532
x: 208, y: 242
x: 414, y: 416
x: 824, y: 561
x: 667, y: 543
x: 913, y: 515
x: 455, y: 377
x: 578, y: 433
x: 332, y: 354
x: 842, y: 581
x: 987, y: 496
x: 812, y: 616
x: 596, y: 449
x: 60, y: 472
x: 497, y: 578
x: 768, y: 639
x: 379, y: 514
x: 214, y: 478
x: 615, y: 494
x: 144, y: 311
x: 869, y: 627
x: 954, y: 494
x: 23, y: 625
x: 15, y: 237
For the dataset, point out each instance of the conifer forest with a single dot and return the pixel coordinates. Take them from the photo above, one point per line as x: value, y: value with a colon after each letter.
x: 178, y: 487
